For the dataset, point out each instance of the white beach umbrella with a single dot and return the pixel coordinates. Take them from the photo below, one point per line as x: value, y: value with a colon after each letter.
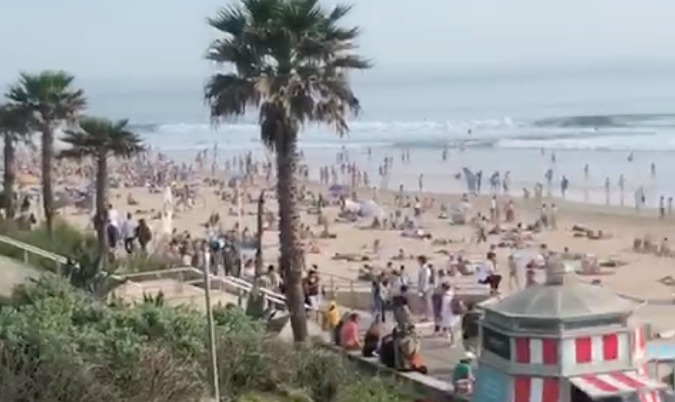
x: 167, y: 213
x: 370, y: 208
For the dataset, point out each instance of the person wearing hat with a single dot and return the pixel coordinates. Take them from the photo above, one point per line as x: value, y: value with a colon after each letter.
x: 462, y: 375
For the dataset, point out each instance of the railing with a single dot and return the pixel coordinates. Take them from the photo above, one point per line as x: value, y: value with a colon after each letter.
x: 336, y: 284
x: 226, y: 282
x: 28, y: 249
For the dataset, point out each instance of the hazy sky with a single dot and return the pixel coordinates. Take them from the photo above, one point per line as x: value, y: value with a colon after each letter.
x: 125, y: 39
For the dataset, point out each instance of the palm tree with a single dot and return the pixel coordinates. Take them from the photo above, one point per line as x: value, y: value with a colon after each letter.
x: 14, y: 126
x: 52, y: 100
x: 288, y: 60
x: 100, y: 139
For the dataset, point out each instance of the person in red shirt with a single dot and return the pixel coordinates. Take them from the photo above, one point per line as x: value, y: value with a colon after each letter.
x: 349, y: 333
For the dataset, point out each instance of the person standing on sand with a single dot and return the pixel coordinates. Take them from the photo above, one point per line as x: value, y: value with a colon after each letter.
x: 564, y: 185
x: 670, y: 206
x: 549, y: 180
x: 495, y: 182
x: 553, y: 217
x: 379, y: 293
x: 493, y: 209
x: 506, y: 182
x: 420, y: 182
x: 662, y: 207
x: 640, y: 198
x: 449, y: 312
x: 425, y: 286
x: 513, y: 273
x: 607, y: 190
x: 543, y: 215
x: 622, y: 185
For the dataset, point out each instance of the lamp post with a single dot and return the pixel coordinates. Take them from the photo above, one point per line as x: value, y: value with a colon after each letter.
x: 212, y: 333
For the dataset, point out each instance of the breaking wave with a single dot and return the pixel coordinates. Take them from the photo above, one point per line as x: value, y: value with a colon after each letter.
x: 602, y: 132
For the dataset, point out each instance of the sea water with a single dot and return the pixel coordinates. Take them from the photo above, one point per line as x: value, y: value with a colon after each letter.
x: 491, y: 122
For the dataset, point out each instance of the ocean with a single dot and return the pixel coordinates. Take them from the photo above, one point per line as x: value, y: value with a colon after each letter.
x: 502, y: 120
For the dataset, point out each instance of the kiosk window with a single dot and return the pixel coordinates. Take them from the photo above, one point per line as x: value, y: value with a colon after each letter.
x: 497, y: 343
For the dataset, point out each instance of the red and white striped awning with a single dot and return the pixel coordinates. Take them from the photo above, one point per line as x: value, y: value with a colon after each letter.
x: 618, y: 383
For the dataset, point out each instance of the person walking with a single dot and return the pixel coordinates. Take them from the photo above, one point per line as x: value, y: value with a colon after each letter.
x: 449, y: 313
x: 425, y: 287
x: 379, y: 294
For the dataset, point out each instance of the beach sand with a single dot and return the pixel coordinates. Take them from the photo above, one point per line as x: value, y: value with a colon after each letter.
x: 638, y: 277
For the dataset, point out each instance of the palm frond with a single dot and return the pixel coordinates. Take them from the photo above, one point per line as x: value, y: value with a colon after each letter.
x: 99, y: 137
x: 290, y: 60
x: 228, y: 95
x: 230, y: 20
x: 15, y: 120
x: 49, y: 95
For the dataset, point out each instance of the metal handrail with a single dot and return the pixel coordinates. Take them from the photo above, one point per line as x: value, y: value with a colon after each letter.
x: 40, y: 252
x: 29, y: 248
x: 237, y: 283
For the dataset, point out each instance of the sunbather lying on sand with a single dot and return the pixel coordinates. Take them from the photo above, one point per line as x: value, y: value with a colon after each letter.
x: 667, y: 280
x: 351, y: 257
x: 416, y: 234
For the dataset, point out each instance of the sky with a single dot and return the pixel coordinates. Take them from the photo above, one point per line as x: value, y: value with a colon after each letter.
x: 154, y: 40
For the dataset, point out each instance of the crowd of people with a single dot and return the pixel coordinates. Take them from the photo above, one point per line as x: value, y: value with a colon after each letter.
x: 392, y: 335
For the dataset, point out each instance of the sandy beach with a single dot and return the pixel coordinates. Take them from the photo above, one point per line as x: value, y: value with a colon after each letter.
x: 638, y: 274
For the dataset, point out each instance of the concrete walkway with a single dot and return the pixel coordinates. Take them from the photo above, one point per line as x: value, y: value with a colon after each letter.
x: 12, y: 273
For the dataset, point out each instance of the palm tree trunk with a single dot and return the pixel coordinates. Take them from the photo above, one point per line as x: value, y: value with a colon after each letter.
x: 290, y: 260
x: 101, y: 218
x: 10, y: 175
x: 47, y: 191
x: 259, y: 237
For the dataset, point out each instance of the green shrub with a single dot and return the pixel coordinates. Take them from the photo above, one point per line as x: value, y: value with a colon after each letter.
x: 73, y: 243
x: 67, y: 241
x: 55, y: 341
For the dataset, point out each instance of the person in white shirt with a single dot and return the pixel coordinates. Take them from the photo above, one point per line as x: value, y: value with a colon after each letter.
x: 425, y: 286
x: 514, y: 280
x: 128, y: 233
x: 113, y: 216
x: 486, y: 273
x: 450, y: 315
x: 400, y: 279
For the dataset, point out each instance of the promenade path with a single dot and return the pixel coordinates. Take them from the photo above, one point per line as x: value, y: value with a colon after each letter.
x: 12, y: 273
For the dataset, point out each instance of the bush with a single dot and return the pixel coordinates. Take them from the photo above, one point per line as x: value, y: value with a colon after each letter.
x: 75, y: 244
x: 67, y: 241
x: 56, y: 340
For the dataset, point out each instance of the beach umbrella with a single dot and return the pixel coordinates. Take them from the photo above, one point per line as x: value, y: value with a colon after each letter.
x: 337, y: 190
x: 370, y: 208
x: 167, y: 212
x: 352, y: 206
